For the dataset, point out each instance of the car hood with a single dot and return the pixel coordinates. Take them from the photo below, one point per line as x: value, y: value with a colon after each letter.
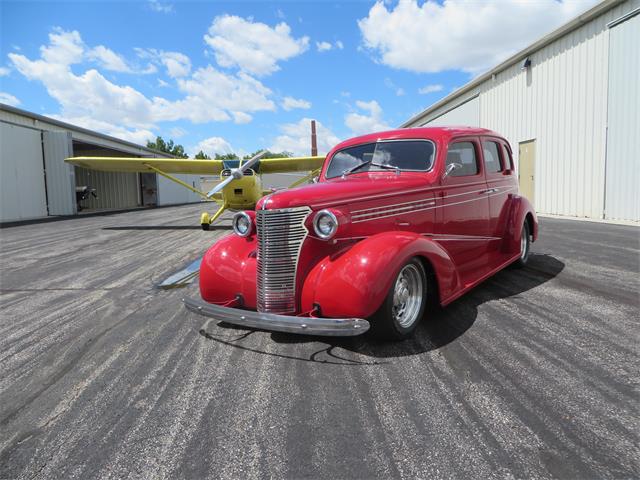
x: 339, y: 191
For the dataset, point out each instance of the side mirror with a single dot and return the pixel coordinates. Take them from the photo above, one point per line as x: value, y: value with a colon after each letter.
x: 450, y: 168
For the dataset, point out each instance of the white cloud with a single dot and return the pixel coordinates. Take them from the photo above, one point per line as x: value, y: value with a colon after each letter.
x: 135, y: 135
x: 213, y: 145
x: 9, y: 99
x: 209, y: 95
x: 176, y: 63
x: 160, y: 7
x: 253, y: 47
x: 296, y: 138
x: 108, y: 59
x: 162, y: 83
x: 398, y: 90
x: 460, y: 34
x: 65, y: 48
x: 366, y: 123
x: 177, y: 132
x: 323, y: 46
x: 214, y: 96
x: 241, y: 117
x: 289, y: 103
x: 4, y: 71
x: 326, y: 46
x: 430, y: 89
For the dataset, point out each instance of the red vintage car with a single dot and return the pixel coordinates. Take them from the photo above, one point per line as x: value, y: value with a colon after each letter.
x: 397, y: 222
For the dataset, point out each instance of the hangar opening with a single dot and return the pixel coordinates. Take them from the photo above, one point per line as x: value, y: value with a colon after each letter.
x: 36, y: 182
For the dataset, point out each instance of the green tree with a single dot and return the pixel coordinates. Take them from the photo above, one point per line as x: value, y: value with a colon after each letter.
x: 202, y: 156
x: 168, y: 147
x: 226, y: 156
x: 270, y: 154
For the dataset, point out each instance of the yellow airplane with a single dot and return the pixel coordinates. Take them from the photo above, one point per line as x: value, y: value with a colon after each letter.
x: 240, y: 187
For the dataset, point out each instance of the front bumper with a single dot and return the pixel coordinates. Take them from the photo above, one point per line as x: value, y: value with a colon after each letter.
x: 335, y: 327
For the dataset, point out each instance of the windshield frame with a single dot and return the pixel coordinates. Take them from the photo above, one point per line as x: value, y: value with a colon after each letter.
x: 433, y: 162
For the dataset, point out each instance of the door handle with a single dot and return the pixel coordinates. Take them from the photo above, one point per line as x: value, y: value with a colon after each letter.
x: 491, y: 190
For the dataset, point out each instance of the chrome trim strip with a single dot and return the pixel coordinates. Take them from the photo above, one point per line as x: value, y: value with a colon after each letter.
x: 334, y: 327
x: 392, y: 212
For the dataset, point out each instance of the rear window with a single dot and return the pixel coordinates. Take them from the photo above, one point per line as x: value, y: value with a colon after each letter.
x: 491, y: 157
x: 464, y: 154
x: 412, y: 155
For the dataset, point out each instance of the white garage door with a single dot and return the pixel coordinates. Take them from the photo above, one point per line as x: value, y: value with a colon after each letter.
x: 622, y: 197
x: 22, y: 190
x: 466, y: 114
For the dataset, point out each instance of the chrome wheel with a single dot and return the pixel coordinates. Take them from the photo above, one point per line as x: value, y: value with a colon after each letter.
x: 408, y: 295
x: 524, y: 244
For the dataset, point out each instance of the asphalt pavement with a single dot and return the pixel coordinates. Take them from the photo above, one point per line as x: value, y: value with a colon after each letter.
x: 532, y: 374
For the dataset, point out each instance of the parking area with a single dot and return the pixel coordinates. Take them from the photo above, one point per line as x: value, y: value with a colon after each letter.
x: 532, y: 374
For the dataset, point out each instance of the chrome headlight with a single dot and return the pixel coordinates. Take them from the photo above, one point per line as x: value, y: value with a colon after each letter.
x: 242, y: 224
x: 325, y: 224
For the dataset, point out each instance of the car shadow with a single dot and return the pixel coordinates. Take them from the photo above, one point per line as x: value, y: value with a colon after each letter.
x: 165, y: 227
x: 437, y: 329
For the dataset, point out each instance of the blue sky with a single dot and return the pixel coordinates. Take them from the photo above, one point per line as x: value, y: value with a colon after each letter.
x: 241, y: 76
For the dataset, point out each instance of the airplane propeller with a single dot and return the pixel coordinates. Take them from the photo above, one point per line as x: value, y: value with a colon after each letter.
x: 237, y: 173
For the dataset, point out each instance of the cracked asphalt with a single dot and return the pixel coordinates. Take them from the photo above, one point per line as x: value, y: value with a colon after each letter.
x: 533, y: 374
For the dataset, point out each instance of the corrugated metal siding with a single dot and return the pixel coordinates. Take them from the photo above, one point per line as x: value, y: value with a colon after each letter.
x: 22, y: 190
x: 462, y: 111
x: 560, y: 102
x: 83, y: 136
x: 59, y: 176
x: 114, y: 190
x: 623, y: 143
x: 170, y: 193
x: 467, y: 113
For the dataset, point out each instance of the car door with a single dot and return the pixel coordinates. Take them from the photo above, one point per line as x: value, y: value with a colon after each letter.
x: 499, y: 177
x: 463, y: 226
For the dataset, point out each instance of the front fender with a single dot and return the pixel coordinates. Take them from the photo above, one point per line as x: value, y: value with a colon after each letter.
x: 228, y: 268
x: 355, y: 281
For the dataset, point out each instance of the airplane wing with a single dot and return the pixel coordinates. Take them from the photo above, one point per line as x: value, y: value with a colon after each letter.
x: 198, y: 167
x: 293, y: 164
x: 142, y: 165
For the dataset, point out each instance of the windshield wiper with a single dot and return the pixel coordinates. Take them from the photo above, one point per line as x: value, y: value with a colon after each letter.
x: 369, y: 162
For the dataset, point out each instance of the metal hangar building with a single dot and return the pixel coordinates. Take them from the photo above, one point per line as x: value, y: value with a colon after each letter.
x: 569, y: 104
x: 35, y: 182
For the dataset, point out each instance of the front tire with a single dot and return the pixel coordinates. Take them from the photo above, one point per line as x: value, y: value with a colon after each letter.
x: 525, y: 247
x: 404, y: 305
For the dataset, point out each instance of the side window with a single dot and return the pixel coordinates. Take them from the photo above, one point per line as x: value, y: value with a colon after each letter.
x: 491, y: 155
x: 464, y: 154
x: 508, y: 160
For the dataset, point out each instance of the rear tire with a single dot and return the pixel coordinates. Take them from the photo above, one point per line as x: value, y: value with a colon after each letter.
x: 525, y: 247
x: 404, y: 305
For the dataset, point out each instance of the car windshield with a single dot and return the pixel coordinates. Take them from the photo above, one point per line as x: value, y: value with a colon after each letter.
x: 412, y: 155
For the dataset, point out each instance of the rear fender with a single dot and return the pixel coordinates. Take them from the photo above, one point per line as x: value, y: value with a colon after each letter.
x: 355, y: 281
x: 520, y: 209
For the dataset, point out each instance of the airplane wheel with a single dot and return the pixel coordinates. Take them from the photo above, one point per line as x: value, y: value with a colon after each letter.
x: 205, y: 226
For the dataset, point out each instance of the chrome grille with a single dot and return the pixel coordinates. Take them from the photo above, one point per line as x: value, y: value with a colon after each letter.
x: 280, y: 236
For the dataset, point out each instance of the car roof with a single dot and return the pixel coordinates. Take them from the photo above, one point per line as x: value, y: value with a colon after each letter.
x: 433, y: 133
